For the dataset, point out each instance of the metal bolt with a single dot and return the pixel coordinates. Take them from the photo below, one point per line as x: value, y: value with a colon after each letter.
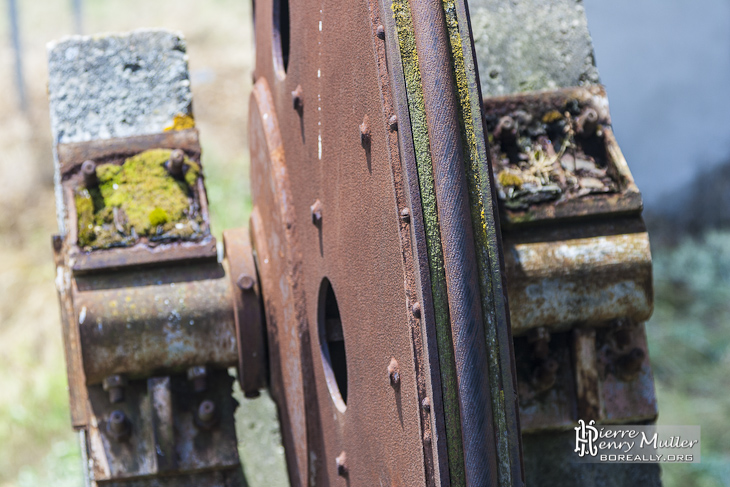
x: 206, y: 412
x: 365, y: 132
x: 88, y: 170
x: 316, y: 212
x: 394, y: 373
x: 506, y: 129
x: 380, y: 32
x: 175, y: 164
x: 341, y: 462
x: 426, y: 404
x: 118, y: 425
x: 393, y: 122
x: 114, y: 385
x: 245, y: 282
x: 297, y: 98
x: 198, y: 375
x: 405, y: 215
x: 416, y: 309
x: 587, y: 122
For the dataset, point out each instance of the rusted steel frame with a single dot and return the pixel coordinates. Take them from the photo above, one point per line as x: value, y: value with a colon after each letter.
x: 152, y: 320
x: 587, y: 279
x: 457, y: 237
x: 415, y: 259
x: 158, y: 435
x: 273, y: 224
x: 72, y: 155
x: 490, y: 262
x: 78, y: 395
x: 626, y: 201
x: 247, y: 310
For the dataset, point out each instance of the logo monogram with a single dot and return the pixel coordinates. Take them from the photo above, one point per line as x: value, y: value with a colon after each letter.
x: 585, y: 436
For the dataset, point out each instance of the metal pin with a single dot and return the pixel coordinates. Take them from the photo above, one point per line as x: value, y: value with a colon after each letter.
x: 365, y: 134
x: 316, y: 212
x: 175, y: 164
x: 88, y: 170
x: 297, y: 97
x: 114, y: 385
x: 206, y: 412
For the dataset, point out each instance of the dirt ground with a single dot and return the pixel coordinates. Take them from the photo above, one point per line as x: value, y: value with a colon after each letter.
x: 37, y: 445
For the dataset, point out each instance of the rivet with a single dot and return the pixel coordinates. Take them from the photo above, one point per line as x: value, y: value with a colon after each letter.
x: 394, y: 373
x: 365, y: 132
x: 380, y: 32
x: 297, y: 97
x: 341, y: 462
x: 88, y: 170
x: 316, y: 212
x: 416, y: 309
x: 405, y: 215
x: 393, y: 122
x: 245, y: 282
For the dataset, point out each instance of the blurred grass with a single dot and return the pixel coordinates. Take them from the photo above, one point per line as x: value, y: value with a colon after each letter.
x: 689, y: 335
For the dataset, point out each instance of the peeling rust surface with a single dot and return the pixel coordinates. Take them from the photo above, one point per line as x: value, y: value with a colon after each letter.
x: 590, y: 280
x: 154, y: 320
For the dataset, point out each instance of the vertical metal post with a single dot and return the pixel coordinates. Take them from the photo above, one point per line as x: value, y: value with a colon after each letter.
x: 17, y: 49
x: 77, y: 11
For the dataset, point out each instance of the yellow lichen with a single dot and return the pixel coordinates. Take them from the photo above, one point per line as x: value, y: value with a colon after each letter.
x: 181, y: 122
x: 507, y: 178
x: 551, y: 116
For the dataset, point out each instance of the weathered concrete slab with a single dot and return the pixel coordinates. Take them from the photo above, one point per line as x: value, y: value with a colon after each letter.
x: 527, y: 45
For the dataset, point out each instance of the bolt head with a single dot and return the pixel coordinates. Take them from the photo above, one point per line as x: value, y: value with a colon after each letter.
x: 206, y: 411
x: 416, y: 309
x: 118, y: 426
x: 316, y: 212
x: 297, y: 97
x: 393, y: 122
x: 245, y: 282
x: 394, y: 373
x: 380, y: 32
x: 341, y: 463
x: 426, y: 404
x: 405, y: 215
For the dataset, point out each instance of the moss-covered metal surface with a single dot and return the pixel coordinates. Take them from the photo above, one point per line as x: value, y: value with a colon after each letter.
x: 139, y: 198
x: 419, y: 128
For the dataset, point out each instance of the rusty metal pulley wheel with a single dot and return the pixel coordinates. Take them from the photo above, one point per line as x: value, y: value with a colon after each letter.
x: 375, y: 238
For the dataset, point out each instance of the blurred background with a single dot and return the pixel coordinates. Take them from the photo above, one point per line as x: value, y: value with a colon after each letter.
x: 666, y: 64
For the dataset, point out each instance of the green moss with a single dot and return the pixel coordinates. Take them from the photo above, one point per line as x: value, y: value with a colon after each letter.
x: 137, y: 198
x: 507, y: 178
x: 158, y: 216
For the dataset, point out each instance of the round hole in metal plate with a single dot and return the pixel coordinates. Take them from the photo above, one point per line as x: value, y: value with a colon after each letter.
x: 332, y: 344
x: 281, y: 37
